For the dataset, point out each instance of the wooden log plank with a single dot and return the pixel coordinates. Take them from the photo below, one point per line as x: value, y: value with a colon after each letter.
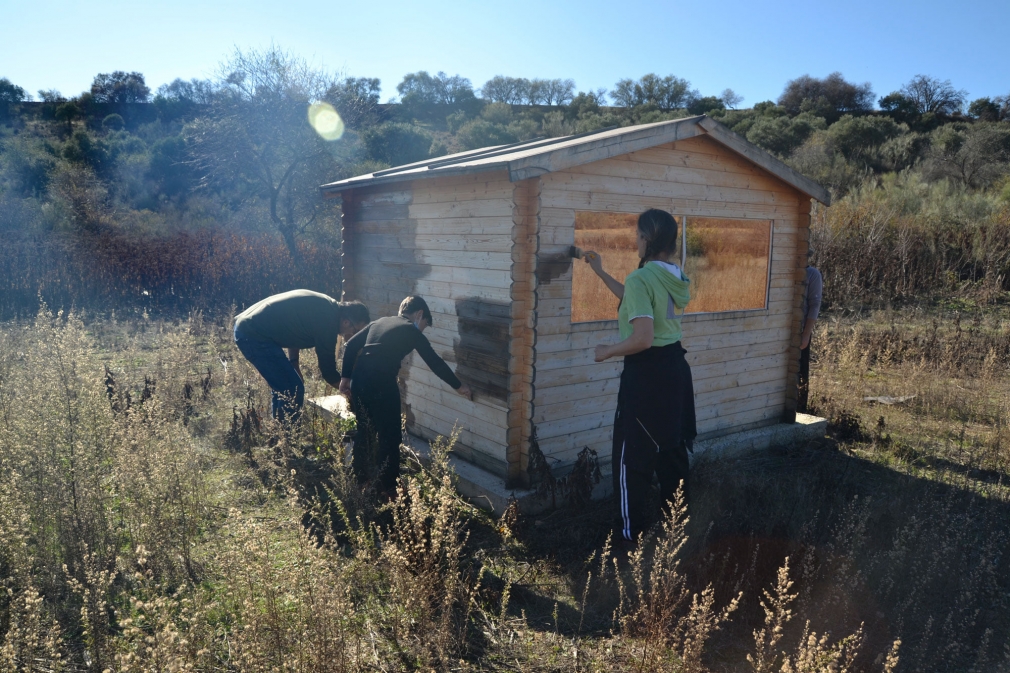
x: 494, y: 434
x: 483, y: 208
x: 584, y: 374
x: 731, y: 408
x: 428, y: 192
x: 723, y: 395
x: 448, y: 226
x: 706, y: 160
x: 547, y: 395
x: 582, y: 200
x: 642, y: 188
x: 739, y: 380
x: 545, y: 413
x: 735, y: 421
x: 630, y: 168
x: 556, y: 447
x: 719, y: 369
x: 548, y: 430
x: 481, y: 243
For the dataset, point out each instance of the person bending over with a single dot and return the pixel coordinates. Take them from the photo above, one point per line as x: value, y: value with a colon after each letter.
x: 371, y: 362
x: 655, y: 420
x: 295, y: 320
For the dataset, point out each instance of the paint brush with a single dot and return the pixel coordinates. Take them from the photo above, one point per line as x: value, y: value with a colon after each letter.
x: 579, y: 253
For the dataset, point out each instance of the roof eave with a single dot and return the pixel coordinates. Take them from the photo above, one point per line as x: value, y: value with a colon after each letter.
x: 370, y: 181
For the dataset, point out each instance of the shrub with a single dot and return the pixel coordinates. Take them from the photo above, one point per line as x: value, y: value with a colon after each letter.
x: 396, y: 143
x: 113, y: 122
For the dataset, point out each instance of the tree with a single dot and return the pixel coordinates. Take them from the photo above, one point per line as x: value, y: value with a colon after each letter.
x: 51, y: 96
x: 113, y: 122
x: 11, y: 93
x: 195, y: 91
x: 830, y: 97
x: 928, y: 94
x: 120, y: 87
x: 182, y: 99
x: 502, y: 89
x: 857, y: 137
x: 68, y: 112
x: 667, y: 93
x: 700, y: 106
x: 783, y: 135
x: 730, y: 98
x: 976, y: 155
x: 356, y: 99
x: 898, y: 106
x: 984, y: 109
x: 256, y: 137
x: 559, y: 91
x: 1004, y: 106
x: 420, y: 88
x: 396, y: 144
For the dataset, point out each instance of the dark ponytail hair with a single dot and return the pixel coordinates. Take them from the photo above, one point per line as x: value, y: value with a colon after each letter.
x: 659, y: 229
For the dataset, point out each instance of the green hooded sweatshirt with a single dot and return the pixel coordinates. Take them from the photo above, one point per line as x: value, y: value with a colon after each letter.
x: 655, y: 292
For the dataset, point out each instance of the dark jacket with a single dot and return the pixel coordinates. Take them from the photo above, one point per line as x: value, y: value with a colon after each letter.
x: 378, y: 350
x: 297, y: 319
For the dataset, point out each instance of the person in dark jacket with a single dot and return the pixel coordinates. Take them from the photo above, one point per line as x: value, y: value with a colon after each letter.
x: 655, y: 421
x: 295, y: 320
x: 812, y: 293
x: 371, y: 362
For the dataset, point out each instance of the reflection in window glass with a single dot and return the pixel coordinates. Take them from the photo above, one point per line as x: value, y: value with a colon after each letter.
x: 727, y: 262
x: 612, y: 235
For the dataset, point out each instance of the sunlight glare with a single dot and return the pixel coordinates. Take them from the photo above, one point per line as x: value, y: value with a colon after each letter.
x: 326, y: 121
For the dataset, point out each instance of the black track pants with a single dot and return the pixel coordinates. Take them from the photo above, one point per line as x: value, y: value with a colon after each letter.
x: 654, y: 425
x: 376, y: 405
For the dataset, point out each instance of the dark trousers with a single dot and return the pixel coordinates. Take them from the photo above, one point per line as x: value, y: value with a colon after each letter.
x: 804, y: 381
x: 633, y: 487
x: 653, y: 427
x: 376, y: 406
x: 269, y: 359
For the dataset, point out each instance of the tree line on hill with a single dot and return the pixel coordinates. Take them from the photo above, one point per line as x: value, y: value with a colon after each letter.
x: 237, y: 152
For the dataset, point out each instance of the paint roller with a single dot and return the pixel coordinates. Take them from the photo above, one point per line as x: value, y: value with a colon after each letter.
x: 578, y: 253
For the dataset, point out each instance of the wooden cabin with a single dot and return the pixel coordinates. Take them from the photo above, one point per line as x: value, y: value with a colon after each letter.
x: 484, y: 236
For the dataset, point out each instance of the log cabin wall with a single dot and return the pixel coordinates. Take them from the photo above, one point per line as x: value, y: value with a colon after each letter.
x: 449, y: 240
x: 742, y: 361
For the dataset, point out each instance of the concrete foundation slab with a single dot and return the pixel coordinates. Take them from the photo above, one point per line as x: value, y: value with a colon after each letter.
x: 488, y: 490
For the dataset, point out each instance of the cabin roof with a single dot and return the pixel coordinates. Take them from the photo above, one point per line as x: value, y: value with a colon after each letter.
x: 532, y: 158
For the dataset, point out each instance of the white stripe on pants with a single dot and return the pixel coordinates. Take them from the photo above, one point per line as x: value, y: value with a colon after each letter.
x: 625, y: 514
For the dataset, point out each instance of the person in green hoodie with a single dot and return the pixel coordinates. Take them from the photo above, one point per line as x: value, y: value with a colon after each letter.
x: 654, y: 426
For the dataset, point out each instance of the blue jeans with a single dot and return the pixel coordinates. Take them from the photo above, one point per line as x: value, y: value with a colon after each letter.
x: 270, y: 360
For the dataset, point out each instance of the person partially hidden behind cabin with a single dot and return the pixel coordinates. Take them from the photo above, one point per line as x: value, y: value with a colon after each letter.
x: 371, y: 362
x: 812, y: 292
x: 655, y: 422
x: 295, y: 320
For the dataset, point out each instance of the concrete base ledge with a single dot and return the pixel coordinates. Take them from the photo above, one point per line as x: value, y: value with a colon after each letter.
x: 805, y: 428
x: 488, y: 491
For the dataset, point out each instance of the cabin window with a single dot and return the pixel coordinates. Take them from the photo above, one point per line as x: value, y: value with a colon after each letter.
x: 727, y: 261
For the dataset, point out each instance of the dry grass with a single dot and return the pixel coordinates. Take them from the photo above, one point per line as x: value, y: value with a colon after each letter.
x: 190, y: 544
x: 111, y: 270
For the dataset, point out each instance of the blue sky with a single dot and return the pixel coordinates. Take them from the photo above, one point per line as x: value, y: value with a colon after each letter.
x: 752, y: 47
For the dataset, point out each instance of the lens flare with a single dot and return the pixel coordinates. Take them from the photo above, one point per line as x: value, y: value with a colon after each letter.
x: 326, y: 121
